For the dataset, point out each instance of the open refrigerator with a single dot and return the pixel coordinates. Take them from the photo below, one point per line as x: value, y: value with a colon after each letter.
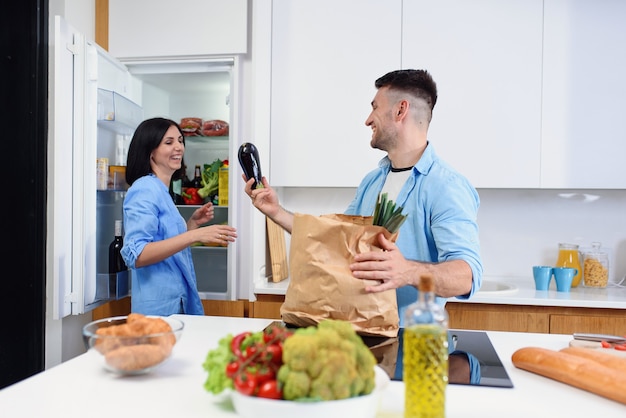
x: 98, y: 103
x: 198, y: 88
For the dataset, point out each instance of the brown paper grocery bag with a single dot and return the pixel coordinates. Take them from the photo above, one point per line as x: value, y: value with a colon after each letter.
x: 321, y: 285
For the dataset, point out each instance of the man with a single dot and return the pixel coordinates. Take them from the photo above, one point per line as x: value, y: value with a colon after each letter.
x: 440, y: 234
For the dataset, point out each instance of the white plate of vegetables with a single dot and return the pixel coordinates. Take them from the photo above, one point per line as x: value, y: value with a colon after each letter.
x: 307, y: 372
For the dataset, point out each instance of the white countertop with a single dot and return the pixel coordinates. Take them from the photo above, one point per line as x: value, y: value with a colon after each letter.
x: 613, y: 297
x: 267, y: 287
x: 81, y: 387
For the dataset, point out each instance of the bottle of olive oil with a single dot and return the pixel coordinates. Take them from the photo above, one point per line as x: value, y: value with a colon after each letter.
x: 425, y: 358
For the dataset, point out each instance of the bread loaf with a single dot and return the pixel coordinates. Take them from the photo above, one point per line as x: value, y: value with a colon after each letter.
x: 191, y: 126
x: 136, y: 357
x: 606, y: 359
x: 215, y: 127
x: 573, y: 370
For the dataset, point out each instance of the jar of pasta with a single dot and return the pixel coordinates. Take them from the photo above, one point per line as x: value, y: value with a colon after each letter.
x: 596, y: 266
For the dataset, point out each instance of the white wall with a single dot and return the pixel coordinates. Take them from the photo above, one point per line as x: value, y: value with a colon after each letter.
x: 518, y: 228
x: 81, y: 14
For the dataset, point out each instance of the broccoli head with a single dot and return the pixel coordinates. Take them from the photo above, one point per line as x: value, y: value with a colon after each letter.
x: 296, y: 383
x: 326, y: 362
x: 210, y: 178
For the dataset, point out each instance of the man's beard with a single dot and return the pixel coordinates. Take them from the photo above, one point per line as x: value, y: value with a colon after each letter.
x: 383, y: 140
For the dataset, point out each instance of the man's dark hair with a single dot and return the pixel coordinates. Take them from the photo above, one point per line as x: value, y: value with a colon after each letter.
x: 416, y: 82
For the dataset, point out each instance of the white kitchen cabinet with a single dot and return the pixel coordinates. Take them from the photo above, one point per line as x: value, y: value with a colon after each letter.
x: 166, y: 28
x: 485, y: 57
x: 584, y: 95
x: 326, y: 56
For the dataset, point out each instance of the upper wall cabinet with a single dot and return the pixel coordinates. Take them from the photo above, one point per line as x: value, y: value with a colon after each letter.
x: 486, y: 60
x: 182, y: 28
x: 584, y: 94
x: 531, y: 93
x: 326, y: 55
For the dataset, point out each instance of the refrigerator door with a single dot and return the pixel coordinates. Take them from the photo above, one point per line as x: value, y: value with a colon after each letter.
x: 77, y: 219
x: 66, y: 123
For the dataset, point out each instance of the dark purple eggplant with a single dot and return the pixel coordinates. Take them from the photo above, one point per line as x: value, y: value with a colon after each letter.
x: 250, y: 163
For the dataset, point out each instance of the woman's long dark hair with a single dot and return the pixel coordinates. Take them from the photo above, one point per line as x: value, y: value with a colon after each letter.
x: 146, y: 139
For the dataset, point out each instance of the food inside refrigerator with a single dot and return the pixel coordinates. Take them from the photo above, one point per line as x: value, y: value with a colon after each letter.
x: 197, y: 96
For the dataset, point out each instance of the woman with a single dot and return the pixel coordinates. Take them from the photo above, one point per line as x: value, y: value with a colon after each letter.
x: 157, y: 240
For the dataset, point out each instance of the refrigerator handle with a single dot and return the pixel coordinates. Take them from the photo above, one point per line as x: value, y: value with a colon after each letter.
x: 91, y: 63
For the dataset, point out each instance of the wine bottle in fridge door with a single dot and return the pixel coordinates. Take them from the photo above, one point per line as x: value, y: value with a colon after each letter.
x: 116, y: 262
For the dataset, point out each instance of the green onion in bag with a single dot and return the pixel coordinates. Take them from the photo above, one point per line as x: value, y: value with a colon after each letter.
x: 387, y: 215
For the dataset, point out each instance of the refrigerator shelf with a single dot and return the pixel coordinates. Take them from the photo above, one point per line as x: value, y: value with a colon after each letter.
x: 116, y: 113
x: 112, y: 286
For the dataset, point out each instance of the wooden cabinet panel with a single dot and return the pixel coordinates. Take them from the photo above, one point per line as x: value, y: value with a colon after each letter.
x: 211, y: 307
x: 542, y: 319
x: 113, y: 308
x: 598, y: 321
x: 235, y: 308
x: 497, y: 318
x: 266, y: 306
x: 476, y: 316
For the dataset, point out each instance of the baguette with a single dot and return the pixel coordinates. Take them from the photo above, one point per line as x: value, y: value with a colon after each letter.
x: 573, y: 370
x: 606, y: 359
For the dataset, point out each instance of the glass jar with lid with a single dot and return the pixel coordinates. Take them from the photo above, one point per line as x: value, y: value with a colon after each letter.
x: 596, y: 266
x: 569, y: 256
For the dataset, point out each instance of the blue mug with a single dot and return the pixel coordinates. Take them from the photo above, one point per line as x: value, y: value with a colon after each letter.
x: 564, y: 277
x: 542, y: 276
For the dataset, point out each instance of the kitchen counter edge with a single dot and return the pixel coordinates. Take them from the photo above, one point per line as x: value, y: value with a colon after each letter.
x: 611, y: 297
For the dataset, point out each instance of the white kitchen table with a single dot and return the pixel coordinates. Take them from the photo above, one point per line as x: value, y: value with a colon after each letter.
x: 81, y: 387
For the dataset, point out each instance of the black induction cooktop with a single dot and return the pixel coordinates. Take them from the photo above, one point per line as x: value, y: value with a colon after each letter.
x: 472, y: 359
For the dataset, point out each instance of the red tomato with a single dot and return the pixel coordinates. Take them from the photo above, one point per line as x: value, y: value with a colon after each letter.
x: 252, y: 350
x: 246, y: 383
x: 264, y: 374
x: 605, y: 344
x: 276, y: 333
x: 232, y: 368
x: 276, y: 353
x: 270, y: 390
x: 620, y: 347
x: 270, y: 334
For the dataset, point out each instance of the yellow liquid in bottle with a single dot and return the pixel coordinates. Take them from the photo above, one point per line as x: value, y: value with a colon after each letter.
x: 570, y: 258
x: 425, y: 373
